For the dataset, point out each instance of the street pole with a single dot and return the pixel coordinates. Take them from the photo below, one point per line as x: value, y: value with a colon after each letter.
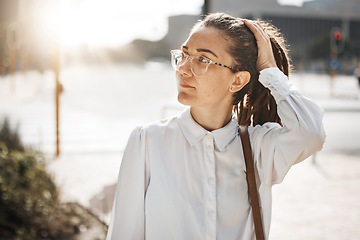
x: 206, y: 7
x: 336, y: 46
x: 13, y: 61
x: 13, y: 43
x: 333, y: 72
x: 58, y: 90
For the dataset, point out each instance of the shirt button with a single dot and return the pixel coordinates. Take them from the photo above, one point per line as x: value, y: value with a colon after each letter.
x: 212, y: 213
x: 269, y: 76
x: 209, y: 147
x: 211, y: 180
x: 276, y: 83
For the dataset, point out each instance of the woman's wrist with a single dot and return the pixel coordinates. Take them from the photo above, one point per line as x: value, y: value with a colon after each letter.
x: 267, y: 65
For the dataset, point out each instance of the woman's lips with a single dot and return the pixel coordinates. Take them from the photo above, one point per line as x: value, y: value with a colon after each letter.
x: 185, y: 85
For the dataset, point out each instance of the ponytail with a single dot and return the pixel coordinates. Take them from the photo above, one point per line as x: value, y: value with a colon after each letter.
x: 256, y: 105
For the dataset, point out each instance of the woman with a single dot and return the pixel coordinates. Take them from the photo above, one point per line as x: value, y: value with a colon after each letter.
x: 184, y: 178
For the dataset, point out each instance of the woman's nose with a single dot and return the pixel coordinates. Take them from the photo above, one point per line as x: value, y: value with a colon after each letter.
x: 185, y: 69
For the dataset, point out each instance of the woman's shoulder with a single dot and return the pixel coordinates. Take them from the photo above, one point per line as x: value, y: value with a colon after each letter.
x: 158, y: 127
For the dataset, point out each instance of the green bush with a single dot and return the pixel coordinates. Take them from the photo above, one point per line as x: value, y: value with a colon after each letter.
x: 29, y: 200
x: 10, y: 138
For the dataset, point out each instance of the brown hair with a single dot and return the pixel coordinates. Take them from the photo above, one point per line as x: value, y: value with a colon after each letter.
x: 253, y: 104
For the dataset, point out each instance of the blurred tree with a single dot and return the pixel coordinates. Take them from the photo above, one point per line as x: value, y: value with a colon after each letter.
x: 10, y: 138
x: 319, y: 47
x: 29, y: 199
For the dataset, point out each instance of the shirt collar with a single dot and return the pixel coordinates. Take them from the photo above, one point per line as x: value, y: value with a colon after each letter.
x: 193, y: 132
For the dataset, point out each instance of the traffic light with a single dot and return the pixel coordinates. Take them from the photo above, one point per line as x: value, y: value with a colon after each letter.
x: 337, y: 40
x: 338, y: 37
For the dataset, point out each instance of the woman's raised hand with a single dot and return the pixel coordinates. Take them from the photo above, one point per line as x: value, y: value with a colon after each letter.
x: 265, y: 54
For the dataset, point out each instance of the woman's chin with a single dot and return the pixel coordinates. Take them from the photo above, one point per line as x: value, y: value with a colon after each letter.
x: 184, y: 99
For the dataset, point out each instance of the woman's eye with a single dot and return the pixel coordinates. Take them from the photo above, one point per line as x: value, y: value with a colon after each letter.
x: 184, y: 55
x: 204, y: 60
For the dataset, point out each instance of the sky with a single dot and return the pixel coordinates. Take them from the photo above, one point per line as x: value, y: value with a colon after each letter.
x: 292, y: 2
x: 113, y: 23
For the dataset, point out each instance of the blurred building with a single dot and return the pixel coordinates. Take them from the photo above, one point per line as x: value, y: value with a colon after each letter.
x: 307, y: 28
x: 8, y: 12
x: 22, y: 44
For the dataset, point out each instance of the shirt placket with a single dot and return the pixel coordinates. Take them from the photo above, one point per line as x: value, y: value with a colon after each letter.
x: 210, y: 187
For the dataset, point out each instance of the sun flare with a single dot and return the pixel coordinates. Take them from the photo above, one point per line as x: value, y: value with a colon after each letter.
x: 93, y: 22
x: 108, y: 22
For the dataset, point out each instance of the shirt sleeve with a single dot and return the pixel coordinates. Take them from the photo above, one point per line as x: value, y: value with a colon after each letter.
x: 276, y: 148
x: 127, y: 218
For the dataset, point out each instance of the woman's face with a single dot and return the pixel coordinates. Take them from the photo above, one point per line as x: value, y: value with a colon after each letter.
x: 214, y: 87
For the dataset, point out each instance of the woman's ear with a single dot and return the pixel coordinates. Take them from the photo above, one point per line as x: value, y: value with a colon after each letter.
x: 240, y: 80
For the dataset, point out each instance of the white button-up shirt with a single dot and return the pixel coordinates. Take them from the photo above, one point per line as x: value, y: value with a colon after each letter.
x: 179, y: 181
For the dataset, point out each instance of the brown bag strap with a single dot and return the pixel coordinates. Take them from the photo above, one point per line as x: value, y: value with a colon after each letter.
x: 250, y: 178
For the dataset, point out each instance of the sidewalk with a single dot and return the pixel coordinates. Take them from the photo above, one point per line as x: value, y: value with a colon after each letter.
x: 343, y: 96
x: 318, y: 201
x: 86, y: 177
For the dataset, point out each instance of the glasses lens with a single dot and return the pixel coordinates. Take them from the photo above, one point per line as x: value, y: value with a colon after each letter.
x: 177, y: 59
x: 200, y: 65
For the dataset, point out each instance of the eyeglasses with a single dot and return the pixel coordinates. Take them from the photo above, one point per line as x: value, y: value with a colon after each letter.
x: 198, y: 64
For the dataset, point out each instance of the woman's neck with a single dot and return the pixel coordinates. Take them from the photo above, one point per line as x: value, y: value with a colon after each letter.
x: 211, y: 118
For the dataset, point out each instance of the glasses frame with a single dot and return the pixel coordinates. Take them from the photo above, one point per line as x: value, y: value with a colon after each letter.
x: 190, y: 58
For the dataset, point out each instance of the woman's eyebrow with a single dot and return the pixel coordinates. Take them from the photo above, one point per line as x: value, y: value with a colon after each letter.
x: 206, y: 50
x: 201, y: 50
